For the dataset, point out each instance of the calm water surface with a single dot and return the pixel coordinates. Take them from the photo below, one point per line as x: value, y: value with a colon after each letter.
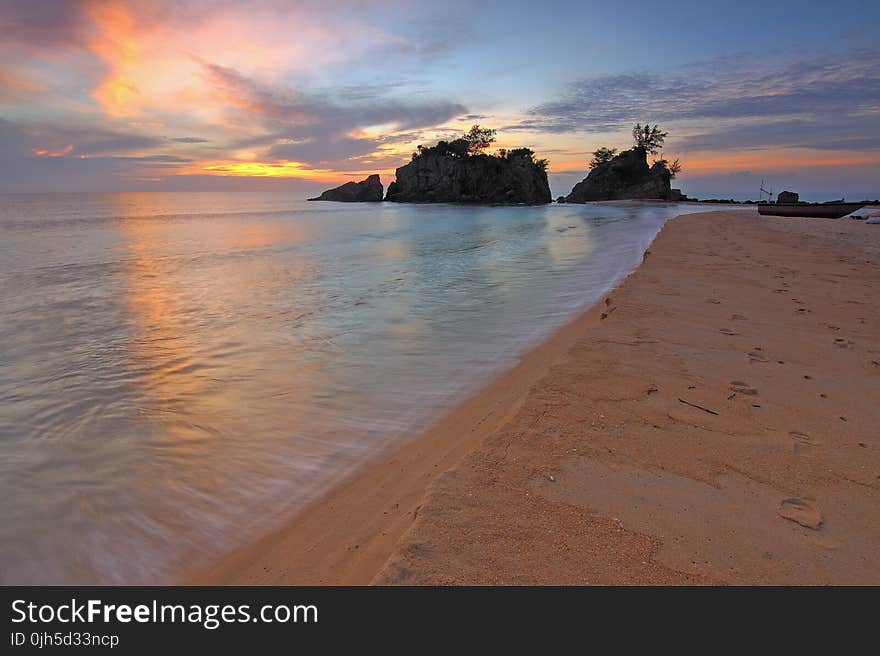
x: 181, y: 372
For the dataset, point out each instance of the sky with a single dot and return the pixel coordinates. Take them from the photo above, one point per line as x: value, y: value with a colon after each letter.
x: 131, y: 95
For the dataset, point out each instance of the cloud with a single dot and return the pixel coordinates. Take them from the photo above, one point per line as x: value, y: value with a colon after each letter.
x: 317, y: 129
x: 296, y: 111
x: 856, y: 133
x: 83, y: 140
x: 820, y: 103
x: 189, y: 140
x: 48, y: 23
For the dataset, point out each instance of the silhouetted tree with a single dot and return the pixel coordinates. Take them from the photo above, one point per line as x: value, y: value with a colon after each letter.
x: 648, y: 137
x: 674, y: 168
x: 479, y: 138
x: 526, y: 153
x: 602, y: 155
x: 457, y: 148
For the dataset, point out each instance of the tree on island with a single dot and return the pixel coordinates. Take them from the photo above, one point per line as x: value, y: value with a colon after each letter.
x: 674, y: 167
x: 602, y: 155
x: 648, y: 137
x: 473, y: 143
x: 523, y: 153
x: 479, y: 139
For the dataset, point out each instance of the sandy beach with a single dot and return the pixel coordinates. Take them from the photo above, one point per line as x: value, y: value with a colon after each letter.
x: 712, y: 421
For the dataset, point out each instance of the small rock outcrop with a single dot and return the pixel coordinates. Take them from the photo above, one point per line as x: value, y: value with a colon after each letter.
x: 437, y: 177
x: 787, y: 197
x: 625, y: 177
x: 365, y: 191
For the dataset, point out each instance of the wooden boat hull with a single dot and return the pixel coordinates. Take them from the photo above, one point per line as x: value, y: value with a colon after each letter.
x: 816, y: 210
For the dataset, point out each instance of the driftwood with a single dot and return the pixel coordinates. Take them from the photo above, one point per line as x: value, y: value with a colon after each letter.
x: 698, y: 407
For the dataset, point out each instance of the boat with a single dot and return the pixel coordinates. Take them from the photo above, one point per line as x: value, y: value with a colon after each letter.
x: 832, y: 210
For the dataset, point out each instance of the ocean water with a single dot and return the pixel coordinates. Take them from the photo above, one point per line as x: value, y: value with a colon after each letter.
x: 181, y: 372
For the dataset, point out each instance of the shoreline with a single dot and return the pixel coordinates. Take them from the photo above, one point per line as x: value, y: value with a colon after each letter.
x: 345, y: 536
x: 480, y: 498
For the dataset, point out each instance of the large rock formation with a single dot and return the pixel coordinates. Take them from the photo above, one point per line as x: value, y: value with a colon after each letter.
x: 365, y: 191
x: 626, y: 176
x: 437, y: 177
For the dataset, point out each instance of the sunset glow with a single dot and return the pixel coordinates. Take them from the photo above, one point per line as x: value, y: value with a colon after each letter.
x: 136, y: 95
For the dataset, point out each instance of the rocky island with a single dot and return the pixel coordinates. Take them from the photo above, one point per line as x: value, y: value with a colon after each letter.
x: 368, y: 190
x: 627, y: 175
x: 459, y: 171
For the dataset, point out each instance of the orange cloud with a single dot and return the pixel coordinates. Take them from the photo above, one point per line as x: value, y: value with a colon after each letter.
x: 47, y: 152
x: 115, y: 41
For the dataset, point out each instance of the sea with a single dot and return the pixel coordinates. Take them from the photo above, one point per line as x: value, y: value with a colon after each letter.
x: 180, y: 373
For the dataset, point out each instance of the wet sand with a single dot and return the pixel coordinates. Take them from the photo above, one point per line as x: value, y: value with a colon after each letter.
x: 713, y: 421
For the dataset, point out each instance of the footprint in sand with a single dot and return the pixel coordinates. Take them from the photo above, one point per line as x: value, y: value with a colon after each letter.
x: 798, y: 510
x: 728, y: 331
x: 756, y: 357
x: 743, y: 388
x: 840, y: 342
x: 803, y: 444
x: 738, y: 317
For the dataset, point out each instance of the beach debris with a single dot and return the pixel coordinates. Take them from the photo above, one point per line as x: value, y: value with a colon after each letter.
x: 550, y: 477
x: 699, y: 407
x: 801, y: 512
